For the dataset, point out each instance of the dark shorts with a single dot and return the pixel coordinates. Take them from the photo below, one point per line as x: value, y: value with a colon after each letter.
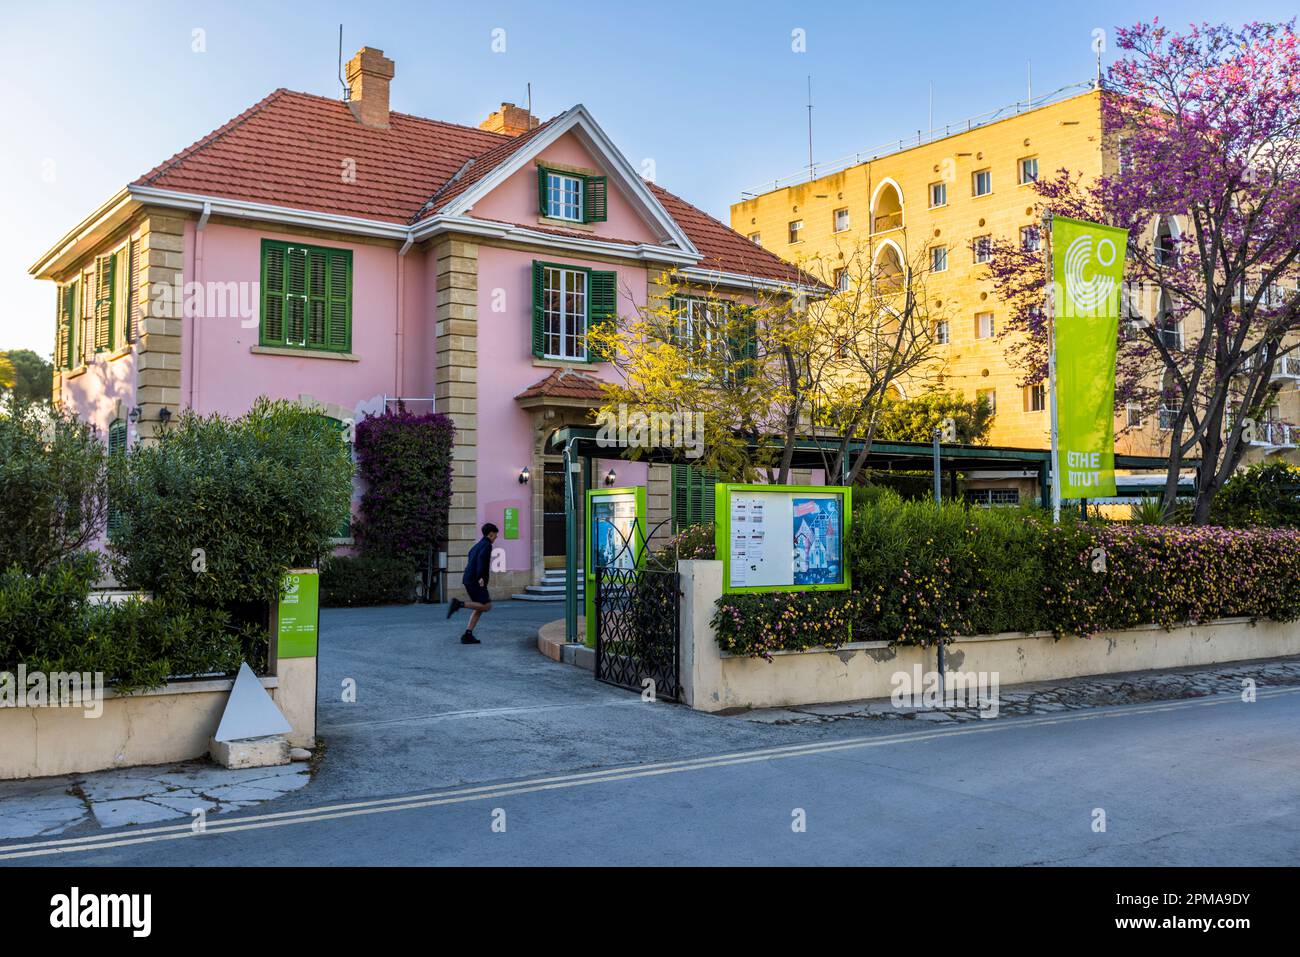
x: 477, y: 593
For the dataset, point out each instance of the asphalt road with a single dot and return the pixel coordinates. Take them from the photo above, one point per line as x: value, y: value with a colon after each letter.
x: 494, y: 755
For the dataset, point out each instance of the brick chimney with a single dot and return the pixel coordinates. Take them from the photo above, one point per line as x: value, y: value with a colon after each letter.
x: 369, y: 73
x: 510, y: 120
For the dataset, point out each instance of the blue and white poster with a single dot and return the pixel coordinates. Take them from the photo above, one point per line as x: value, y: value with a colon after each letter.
x: 818, y: 537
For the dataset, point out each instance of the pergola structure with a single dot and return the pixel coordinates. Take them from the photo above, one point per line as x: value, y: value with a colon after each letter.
x: 580, y: 446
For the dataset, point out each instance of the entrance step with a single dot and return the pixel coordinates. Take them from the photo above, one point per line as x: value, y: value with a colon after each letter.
x: 551, y: 588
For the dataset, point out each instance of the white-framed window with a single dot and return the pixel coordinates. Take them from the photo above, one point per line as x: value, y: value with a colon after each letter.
x: 1030, y: 239
x: 983, y: 248
x: 842, y: 279
x: 981, y: 182
x: 941, y: 334
x: 1028, y: 170
x: 990, y: 396
x: 841, y: 220
x: 984, y: 325
x: 938, y: 194
x: 756, y: 239
x: 1035, y: 397
x: 1171, y: 401
x: 563, y: 196
x: 564, y: 313
x: 796, y: 227
x: 938, y: 258
x: 1132, y: 414
x: 992, y: 497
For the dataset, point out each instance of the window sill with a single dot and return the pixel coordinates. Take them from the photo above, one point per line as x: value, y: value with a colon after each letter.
x: 74, y: 373
x: 124, y: 351
x: 303, y: 353
x: 550, y: 363
x: 347, y: 540
x: 565, y: 223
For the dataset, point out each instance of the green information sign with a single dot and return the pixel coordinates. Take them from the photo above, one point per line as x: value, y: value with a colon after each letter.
x: 783, y: 537
x: 511, y: 523
x: 297, y: 618
x: 1087, y: 272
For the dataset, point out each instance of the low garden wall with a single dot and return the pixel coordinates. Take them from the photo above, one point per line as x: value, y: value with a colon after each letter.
x: 715, y: 680
x: 174, y: 722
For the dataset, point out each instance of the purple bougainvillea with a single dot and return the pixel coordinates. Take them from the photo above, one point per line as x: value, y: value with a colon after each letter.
x: 404, y: 461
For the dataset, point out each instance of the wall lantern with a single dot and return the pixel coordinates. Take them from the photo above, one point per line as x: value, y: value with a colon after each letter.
x: 164, y: 415
x: 610, y: 477
x: 523, y: 475
x: 134, y: 415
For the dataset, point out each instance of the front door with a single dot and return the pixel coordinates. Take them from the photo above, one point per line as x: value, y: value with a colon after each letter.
x: 554, y: 544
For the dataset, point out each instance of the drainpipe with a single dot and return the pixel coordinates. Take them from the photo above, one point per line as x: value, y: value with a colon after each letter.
x: 195, y: 324
x: 400, y: 358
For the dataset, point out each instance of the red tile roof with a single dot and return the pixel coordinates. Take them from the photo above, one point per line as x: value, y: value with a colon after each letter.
x: 293, y: 149
x: 565, y: 384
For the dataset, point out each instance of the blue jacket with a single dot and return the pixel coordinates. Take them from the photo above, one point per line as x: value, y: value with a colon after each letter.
x: 479, y: 564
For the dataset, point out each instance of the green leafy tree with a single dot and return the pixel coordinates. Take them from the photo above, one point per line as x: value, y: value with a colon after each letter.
x: 29, y: 376
x: 914, y: 420
x: 52, y: 481
x: 216, y: 510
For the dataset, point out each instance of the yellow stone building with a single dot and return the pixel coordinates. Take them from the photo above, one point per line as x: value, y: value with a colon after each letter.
x: 926, y: 205
x: 927, y: 202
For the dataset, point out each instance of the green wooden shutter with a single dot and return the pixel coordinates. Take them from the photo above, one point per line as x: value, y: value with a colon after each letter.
x: 543, y: 203
x: 66, y: 335
x: 595, y: 204
x: 338, y: 305
x: 539, y: 299
x: 602, y: 305
x: 744, y: 339
x: 272, y: 295
x: 692, y: 496
x: 295, y: 296
x: 121, y: 298
x: 116, y: 446
x: 315, y: 335
x: 132, y: 324
x: 104, y: 276
x: 60, y: 329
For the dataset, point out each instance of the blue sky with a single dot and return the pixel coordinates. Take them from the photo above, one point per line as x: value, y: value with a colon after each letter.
x: 98, y: 93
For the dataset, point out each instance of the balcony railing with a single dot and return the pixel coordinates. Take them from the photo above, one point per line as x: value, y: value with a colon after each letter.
x: 888, y: 221
x: 1287, y: 367
x: 1275, y: 435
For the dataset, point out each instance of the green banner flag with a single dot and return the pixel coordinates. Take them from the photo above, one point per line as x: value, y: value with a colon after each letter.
x: 1087, y: 274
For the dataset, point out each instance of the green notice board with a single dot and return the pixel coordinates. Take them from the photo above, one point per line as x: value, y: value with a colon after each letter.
x: 511, y: 523
x: 783, y: 537
x: 297, y: 618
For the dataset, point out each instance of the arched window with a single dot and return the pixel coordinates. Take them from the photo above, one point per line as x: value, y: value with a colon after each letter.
x: 1166, y: 241
x: 1171, y: 400
x: 1168, y: 325
x: 888, y: 269
x: 887, y: 207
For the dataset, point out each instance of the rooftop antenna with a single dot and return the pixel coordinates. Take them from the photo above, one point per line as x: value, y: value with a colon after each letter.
x: 1097, y: 81
x: 811, y: 177
x: 530, y: 99
x: 347, y: 94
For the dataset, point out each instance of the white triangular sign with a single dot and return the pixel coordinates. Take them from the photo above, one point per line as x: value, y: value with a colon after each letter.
x: 250, y: 712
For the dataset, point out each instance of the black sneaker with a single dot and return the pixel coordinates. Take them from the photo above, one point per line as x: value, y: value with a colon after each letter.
x: 455, y: 606
x: 469, y: 639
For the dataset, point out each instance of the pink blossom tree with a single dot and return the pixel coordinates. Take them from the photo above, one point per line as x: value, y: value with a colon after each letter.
x: 1202, y: 136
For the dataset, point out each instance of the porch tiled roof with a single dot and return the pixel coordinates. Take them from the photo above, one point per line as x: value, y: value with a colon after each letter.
x: 565, y: 384
x: 293, y: 149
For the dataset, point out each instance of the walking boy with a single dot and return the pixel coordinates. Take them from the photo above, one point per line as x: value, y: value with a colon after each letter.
x: 478, y: 566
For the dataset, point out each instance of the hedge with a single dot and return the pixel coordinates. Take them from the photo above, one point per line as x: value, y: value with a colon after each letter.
x: 347, y: 582
x: 48, y: 623
x: 923, y: 573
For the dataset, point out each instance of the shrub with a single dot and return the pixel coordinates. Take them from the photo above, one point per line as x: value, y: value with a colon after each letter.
x: 258, y: 495
x: 366, y: 580
x: 52, y: 482
x: 692, y: 542
x: 48, y: 623
x: 1266, y: 494
x: 405, y: 463
x: 923, y: 573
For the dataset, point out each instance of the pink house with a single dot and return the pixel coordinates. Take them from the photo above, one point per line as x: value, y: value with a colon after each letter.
x: 341, y: 255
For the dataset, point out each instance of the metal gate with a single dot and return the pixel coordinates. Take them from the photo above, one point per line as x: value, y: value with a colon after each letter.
x: 636, y: 612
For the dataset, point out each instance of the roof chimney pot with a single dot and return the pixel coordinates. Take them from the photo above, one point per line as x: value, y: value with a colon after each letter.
x: 369, y: 74
x: 511, y: 120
